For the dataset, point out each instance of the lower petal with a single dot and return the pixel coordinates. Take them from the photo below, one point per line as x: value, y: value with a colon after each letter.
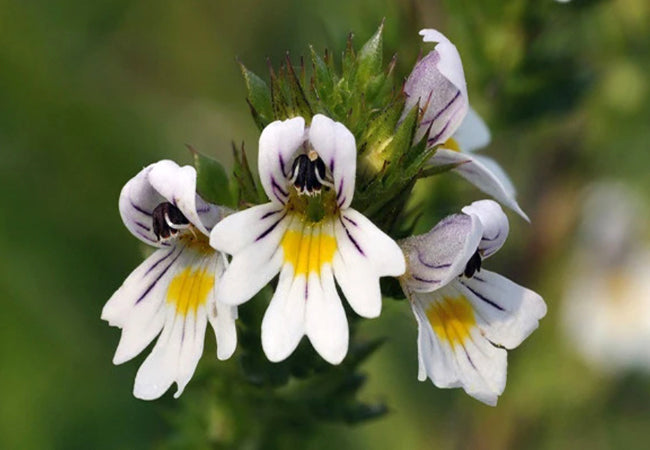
x: 326, y: 325
x: 508, y: 312
x: 284, y: 321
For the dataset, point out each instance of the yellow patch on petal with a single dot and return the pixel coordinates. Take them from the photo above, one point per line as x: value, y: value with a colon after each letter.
x: 189, y: 290
x: 451, y: 319
x: 451, y: 144
x: 307, y: 250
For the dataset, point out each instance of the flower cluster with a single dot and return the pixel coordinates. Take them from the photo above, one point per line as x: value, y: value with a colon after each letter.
x: 326, y: 230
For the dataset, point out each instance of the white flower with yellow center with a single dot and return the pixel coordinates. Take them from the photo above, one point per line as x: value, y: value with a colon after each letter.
x: 174, y: 289
x: 309, y: 234
x: 467, y: 317
x: 437, y: 85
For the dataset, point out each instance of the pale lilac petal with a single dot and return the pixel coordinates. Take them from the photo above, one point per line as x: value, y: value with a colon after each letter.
x: 473, y: 170
x: 279, y: 142
x: 364, y: 255
x: 222, y: 318
x: 437, y: 84
x: 473, y: 133
x: 439, y: 256
x: 336, y: 146
x: 494, y: 224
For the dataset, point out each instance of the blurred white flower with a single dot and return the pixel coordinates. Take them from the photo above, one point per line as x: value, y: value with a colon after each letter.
x: 606, y: 304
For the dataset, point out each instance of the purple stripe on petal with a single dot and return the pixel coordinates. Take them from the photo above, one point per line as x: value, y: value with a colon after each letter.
x: 445, y: 108
x: 271, y: 228
x: 140, y: 209
x: 351, y: 221
x: 425, y: 280
x: 270, y: 213
x: 485, y: 299
x: 432, y: 266
x: 437, y: 136
x: 332, y: 165
x: 339, y: 191
x: 143, y: 226
x: 145, y: 236
x: 151, y: 286
x: 167, y: 255
x: 340, y: 203
x: 281, y: 161
x: 354, y: 242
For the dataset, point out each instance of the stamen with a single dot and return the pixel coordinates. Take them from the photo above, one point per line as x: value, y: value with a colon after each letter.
x: 309, y: 173
x: 167, y: 221
x: 473, y: 265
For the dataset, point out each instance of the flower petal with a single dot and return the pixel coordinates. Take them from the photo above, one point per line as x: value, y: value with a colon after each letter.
x: 137, y: 201
x: 253, y: 238
x: 326, y: 325
x: 453, y: 348
x: 508, y: 312
x: 284, y: 321
x: 437, y: 84
x: 472, y: 133
x: 337, y: 147
x: 364, y: 254
x: 178, y: 185
x: 473, y: 169
x: 437, y: 257
x: 222, y: 318
x: 278, y: 143
x: 494, y: 224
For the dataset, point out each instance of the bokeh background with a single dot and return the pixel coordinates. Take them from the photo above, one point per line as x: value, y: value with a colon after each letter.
x: 90, y: 92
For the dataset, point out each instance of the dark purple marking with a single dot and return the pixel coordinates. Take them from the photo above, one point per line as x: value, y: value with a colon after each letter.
x: 143, y: 226
x: 281, y: 161
x: 141, y: 234
x: 445, y: 108
x: 140, y: 209
x: 167, y: 255
x: 351, y: 221
x: 339, y: 190
x: 203, y: 210
x: 469, y: 358
x: 271, y: 228
x: 356, y: 244
x: 340, y: 203
x: 151, y: 286
x: 269, y: 214
x: 425, y: 280
x: 437, y: 136
x: 485, y: 299
x: 432, y: 266
x: 332, y: 166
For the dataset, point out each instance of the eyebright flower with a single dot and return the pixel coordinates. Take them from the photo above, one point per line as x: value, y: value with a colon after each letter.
x: 466, y: 316
x: 437, y: 85
x: 309, y: 233
x: 174, y: 289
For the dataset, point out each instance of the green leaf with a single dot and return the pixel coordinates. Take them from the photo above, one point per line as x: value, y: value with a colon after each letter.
x: 259, y: 97
x: 211, y: 180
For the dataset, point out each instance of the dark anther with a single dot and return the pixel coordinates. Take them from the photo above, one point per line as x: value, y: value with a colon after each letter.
x: 473, y: 265
x: 167, y: 220
x: 308, y: 175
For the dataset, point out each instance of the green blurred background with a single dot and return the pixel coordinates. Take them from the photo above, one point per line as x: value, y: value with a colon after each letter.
x: 90, y: 92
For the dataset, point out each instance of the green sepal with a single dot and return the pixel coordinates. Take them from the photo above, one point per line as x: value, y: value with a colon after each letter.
x: 212, y: 181
x: 259, y: 97
x: 247, y: 191
x: 369, y: 60
x: 429, y: 171
x: 299, y: 101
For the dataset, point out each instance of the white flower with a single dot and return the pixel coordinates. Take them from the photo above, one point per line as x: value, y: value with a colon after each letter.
x: 309, y: 234
x: 606, y: 305
x: 467, y: 316
x: 437, y: 84
x: 174, y: 289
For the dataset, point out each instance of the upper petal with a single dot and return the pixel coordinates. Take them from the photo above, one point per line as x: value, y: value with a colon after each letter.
x: 475, y: 170
x: 278, y: 143
x: 336, y: 146
x: 437, y: 84
x: 437, y: 257
x: 472, y: 133
x: 494, y: 224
